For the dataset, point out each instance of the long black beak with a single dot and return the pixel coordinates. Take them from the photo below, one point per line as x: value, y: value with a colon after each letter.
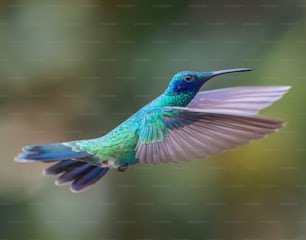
x: 220, y: 72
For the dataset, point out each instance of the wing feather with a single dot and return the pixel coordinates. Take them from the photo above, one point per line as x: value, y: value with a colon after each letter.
x: 238, y: 100
x: 193, y: 135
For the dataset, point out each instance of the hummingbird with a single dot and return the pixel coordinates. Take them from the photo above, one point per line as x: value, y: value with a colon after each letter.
x: 182, y: 124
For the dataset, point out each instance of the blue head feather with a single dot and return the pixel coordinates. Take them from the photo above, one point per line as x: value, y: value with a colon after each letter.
x: 186, y: 82
x: 189, y: 82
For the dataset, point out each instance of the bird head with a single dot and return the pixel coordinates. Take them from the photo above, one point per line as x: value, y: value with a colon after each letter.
x: 189, y: 82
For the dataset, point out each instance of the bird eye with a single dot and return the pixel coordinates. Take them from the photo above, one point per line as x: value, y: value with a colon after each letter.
x: 188, y: 78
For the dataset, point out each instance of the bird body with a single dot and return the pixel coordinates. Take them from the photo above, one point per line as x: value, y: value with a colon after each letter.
x: 181, y: 124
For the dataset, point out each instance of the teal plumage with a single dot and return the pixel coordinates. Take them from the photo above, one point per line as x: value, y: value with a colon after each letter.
x: 180, y: 125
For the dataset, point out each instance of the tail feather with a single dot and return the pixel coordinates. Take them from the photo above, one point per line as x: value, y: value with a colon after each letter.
x: 74, y: 166
x: 72, y: 174
x: 49, y: 153
x: 45, y: 147
x: 61, y: 166
x: 91, y: 177
x: 81, y: 174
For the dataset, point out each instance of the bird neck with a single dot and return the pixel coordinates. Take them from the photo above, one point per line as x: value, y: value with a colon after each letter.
x: 179, y: 100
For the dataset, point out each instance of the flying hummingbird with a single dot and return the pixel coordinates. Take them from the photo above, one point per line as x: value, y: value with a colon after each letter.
x: 181, y: 124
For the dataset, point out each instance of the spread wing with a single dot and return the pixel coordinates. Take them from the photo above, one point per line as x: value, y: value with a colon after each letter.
x: 238, y: 100
x: 173, y: 134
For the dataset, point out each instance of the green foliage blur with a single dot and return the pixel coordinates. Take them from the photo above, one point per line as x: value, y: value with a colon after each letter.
x: 75, y: 69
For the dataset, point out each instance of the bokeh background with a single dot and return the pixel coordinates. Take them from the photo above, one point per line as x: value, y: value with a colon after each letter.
x: 75, y: 69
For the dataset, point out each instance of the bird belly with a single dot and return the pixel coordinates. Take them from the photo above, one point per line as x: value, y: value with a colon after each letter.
x: 115, y: 149
x: 117, y: 155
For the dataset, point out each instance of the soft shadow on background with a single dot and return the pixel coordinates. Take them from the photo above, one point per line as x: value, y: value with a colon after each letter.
x: 75, y: 69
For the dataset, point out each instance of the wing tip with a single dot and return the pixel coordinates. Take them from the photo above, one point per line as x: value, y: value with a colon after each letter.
x: 286, y: 87
x: 282, y: 124
x: 284, y: 90
x: 277, y: 123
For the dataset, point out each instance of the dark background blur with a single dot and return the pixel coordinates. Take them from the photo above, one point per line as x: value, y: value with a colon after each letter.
x: 75, y: 69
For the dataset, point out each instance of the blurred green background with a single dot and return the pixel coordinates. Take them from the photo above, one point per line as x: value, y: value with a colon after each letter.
x: 75, y: 69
